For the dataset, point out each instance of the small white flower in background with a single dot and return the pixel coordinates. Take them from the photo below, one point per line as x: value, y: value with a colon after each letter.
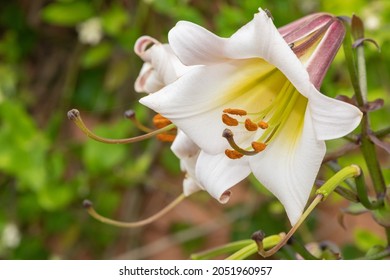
x: 258, y: 90
x: 90, y: 31
x: 10, y: 237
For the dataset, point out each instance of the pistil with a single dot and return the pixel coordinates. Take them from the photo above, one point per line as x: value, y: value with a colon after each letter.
x: 228, y: 134
x: 74, y: 115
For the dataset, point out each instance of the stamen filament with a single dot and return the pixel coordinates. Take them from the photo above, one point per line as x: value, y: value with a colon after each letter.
x: 91, y: 211
x: 228, y: 134
x: 74, y: 115
x: 130, y: 114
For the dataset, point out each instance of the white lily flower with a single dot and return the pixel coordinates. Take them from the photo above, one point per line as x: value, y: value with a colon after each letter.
x: 262, y: 87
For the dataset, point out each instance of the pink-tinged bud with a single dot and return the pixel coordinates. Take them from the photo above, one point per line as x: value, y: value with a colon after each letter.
x: 315, y: 39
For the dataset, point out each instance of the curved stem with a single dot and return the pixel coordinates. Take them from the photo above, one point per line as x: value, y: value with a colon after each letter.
x: 363, y: 196
x: 97, y: 216
x: 231, y: 247
x: 74, y: 115
x: 252, y: 248
x: 356, y: 67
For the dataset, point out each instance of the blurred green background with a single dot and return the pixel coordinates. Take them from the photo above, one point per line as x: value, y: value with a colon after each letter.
x: 64, y: 54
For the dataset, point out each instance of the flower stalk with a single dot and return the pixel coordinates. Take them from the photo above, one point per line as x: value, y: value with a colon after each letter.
x: 363, y: 196
x: 224, y: 249
x: 356, y: 67
x: 91, y: 211
x: 301, y: 249
x: 267, y: 243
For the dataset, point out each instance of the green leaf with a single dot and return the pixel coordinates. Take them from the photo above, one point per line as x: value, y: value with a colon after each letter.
x: 55, y: 197
x: 96, y: 55
x: 114, y: 20
x: 22, y: 147
x: 365, y: 239
x: 67, y: 13
x: 101, y: 157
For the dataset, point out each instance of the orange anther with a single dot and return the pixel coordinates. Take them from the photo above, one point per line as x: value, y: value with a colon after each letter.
x: 238, y: 112
x: 229, y: 120
x: 250, y: 126
x: 233, y: 154
x: 166, y: 137
x: 160, y: 121
x: 263, y: 125
x: 258, y: 146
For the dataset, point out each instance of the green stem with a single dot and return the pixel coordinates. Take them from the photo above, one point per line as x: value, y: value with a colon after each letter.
x: 378, y: 256
x: 359, y: 82
x: 335, y: 180
x: 228, y: 248
x: 301, y: 250
x: 347, y: 194
x: 363, y: 196
x: 335, y: 167
x: 383, y: 132
x: 387, y: 231
x: 251, y: 249
x: 371, y: 158
x: 351, y: 64
x: 244, y: 252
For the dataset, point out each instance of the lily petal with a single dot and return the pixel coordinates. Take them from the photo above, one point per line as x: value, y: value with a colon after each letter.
x: 195, y: 45
x: 288, y: 168
x: 186, y: 150
x: 161, y: 65
x: 332, y: 118
x: 148, y: 80
x: 190, y: 186
x: 217, y: 174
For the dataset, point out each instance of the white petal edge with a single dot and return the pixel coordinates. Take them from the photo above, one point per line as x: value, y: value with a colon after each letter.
x: 218, y: 174
x: 332, y: 118
x: 195, y: 45
x: 190, y: 186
